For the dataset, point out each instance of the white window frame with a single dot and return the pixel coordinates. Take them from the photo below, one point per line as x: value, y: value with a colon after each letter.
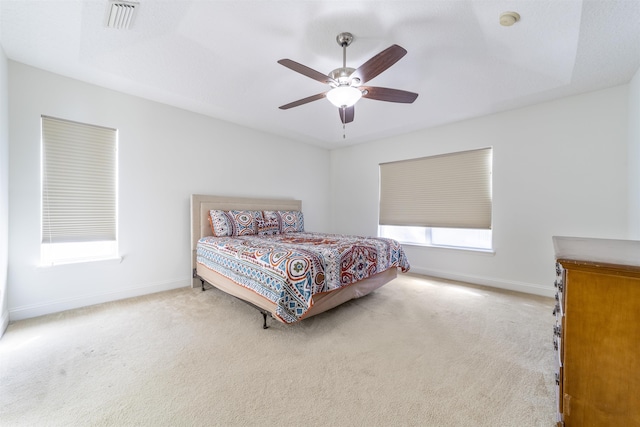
x: 454, y: 211
x: 475, y: 240
x: 70, y: 161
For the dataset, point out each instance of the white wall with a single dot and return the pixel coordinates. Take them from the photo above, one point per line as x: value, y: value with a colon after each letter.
x: 165, y: 154
x: 4, y: 188
x: 634, y: 157
x: 559, y: 169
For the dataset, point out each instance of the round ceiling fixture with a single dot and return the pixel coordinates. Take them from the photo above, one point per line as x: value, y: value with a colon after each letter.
x: 507, y: 19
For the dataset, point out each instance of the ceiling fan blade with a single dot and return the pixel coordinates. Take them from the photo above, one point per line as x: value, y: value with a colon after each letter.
x: 303, y: 69
x: 389, y: 95
x: 303, y: 101
x: 346, y: 114
x: 379, y: 63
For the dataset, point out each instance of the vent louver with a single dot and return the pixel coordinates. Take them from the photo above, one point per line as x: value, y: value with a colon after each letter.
x: 120, y: 14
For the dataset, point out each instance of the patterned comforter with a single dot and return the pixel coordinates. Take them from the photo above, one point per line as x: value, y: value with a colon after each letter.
x: 290, y: 268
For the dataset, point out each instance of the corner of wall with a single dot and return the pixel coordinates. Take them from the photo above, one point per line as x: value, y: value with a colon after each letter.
x: 634, y: 157
x: 4, y: 188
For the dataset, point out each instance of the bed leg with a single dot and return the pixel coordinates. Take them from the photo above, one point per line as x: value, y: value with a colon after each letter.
x: 202, y: 284
x: 264, y: 316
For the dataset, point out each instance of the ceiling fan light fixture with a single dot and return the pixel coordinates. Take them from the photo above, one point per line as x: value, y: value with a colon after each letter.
x: 345, y: 82
x: 344, y: 96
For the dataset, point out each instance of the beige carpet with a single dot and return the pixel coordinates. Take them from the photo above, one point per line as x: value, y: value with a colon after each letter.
x: 417, y: 352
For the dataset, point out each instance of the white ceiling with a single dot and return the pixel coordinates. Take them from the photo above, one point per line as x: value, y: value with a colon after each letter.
x: 219, y: 58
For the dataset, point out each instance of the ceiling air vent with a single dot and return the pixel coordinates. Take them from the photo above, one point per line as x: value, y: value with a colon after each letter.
x: 120, y: 14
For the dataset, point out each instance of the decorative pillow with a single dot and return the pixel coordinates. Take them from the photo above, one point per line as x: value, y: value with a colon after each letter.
x: 291, y: 221
x: 268, y: 228
x: 244, y: 222
x: 271, y: 216
x: 220, y: 225
x: 234, y: 223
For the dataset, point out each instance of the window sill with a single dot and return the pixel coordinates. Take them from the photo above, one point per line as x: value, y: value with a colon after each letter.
x: 57, y: 263
x: 455, y: 248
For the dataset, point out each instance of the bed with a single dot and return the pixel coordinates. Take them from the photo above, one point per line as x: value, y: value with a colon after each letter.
x: 284, y: 271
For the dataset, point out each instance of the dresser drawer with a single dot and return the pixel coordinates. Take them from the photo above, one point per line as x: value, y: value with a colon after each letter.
x: 557, y: 346
x: 559, y: 284
x: 558, y: 337
x: 559, y: 390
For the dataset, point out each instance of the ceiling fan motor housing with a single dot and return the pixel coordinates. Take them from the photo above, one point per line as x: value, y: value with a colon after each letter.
x: 342, y: 77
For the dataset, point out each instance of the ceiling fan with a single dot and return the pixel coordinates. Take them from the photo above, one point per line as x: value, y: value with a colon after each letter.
x: 347, y: 83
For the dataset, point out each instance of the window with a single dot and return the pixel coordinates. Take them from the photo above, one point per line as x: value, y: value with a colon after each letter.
x: 438, y: 201
x: 462, y: 238
x: 79, y: 191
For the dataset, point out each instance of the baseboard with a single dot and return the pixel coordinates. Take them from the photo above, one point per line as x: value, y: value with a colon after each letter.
x: 35, y: 310
x: 528, y: 288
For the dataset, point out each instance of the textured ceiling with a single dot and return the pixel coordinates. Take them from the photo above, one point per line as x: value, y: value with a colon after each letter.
x: 219, y: 58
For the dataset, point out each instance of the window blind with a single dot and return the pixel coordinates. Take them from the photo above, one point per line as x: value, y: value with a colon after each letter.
x: 450, y: 190
x: 78, y: 182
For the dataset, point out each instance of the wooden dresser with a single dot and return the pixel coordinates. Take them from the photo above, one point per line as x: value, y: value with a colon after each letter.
x: 597, y: 332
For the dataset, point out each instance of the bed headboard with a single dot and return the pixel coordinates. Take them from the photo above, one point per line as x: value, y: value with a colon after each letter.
x: 201, y: 205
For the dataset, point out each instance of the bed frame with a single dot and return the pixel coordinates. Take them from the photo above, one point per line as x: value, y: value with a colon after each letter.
x: 200, y: 227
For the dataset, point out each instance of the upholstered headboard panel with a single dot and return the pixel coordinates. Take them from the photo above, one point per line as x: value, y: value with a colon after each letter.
x: 202, y: 204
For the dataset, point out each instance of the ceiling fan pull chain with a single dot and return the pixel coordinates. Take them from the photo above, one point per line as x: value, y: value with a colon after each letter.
x: 344, y: 125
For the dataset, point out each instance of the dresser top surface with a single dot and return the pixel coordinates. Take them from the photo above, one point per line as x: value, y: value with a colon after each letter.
x: 598, y: 251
